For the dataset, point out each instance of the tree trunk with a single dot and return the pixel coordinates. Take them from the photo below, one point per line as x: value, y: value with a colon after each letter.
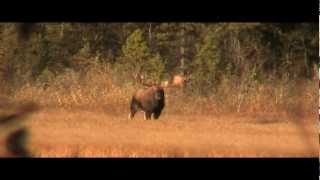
x: 61, y: 30
x: 305, y: 55
x: 150, y: 34
x: 182, y: 50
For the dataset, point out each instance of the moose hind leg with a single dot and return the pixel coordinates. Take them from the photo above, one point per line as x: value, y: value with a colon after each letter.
x: 147, y: 115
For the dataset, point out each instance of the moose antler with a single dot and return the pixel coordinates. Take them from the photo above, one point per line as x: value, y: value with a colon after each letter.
x: 141, y: 80
x: 177, y: 81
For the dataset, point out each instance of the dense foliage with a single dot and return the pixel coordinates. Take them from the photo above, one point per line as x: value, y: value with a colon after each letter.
x: 206, y: 52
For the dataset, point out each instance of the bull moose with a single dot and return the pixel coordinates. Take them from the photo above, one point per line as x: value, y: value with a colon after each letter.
x: 151, y: 100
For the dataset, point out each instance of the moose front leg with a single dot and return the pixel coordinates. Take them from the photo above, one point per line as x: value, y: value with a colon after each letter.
x: 131, y: 115
x: 133, y: 109
x: 156, y: 114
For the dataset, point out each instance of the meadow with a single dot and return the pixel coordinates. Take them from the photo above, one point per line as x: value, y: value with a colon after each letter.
x: 89, y: 133
x: 90, y: 119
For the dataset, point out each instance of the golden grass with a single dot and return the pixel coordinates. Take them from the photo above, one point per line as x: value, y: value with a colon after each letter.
x: 101, y: 89
x: 87, y: 117
x: 61, y: 133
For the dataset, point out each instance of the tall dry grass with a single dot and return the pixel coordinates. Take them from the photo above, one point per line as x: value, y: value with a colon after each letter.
x: 217, y: 123
x: 101, y: 89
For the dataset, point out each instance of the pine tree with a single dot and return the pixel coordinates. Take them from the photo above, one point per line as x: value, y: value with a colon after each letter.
x: 207, y: 64
x: 135, y: 52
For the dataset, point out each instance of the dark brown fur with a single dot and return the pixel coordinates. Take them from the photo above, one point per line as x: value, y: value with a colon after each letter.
x: 150, y: 100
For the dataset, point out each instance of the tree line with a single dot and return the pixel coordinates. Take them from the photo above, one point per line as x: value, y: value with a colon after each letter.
x: 206, y: 52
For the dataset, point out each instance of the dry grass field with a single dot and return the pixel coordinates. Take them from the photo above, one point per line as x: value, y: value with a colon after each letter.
x: 96, y: 133
x: 90, y: 119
